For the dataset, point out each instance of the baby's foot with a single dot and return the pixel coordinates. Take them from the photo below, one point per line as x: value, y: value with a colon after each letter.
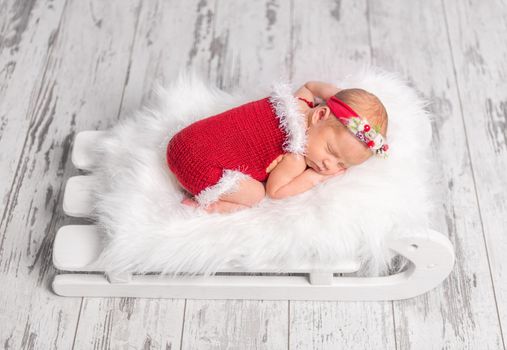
x: 190, y: 202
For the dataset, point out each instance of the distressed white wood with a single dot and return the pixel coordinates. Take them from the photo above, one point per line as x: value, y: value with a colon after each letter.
x: 321, y: 277
x: 479, y: 54
x: 432, y: 256
x: 456, y: 315
x: 70, y: 67
x: 77, y: 198
x: 171, y: 36
x: 431, y: 71
x: 82, y: 156
x: 249, y: 324
x: 27, y: 37
x: 124, y: 277
x: 30, y: 317
x: 339, y: 325
x: 125, y: 323
x: 253, y: 49
x: 76, y: 248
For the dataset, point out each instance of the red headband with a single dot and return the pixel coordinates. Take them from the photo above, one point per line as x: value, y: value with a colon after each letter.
x: 341, y: 110
x: 358, y: 126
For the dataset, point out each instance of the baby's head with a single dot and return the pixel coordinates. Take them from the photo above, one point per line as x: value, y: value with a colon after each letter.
x: 331, y: 146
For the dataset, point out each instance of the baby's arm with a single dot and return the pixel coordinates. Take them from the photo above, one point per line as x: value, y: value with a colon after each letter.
x: 318, y: 89
x: 290, y: 177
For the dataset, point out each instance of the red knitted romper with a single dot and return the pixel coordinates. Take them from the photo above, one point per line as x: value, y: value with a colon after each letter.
x: 246, y: 138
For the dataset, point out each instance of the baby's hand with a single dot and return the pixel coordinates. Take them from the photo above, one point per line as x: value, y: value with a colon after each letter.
x: 318, y: 177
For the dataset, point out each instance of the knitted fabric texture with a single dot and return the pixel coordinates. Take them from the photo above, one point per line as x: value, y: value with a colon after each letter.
x: 243, y: 140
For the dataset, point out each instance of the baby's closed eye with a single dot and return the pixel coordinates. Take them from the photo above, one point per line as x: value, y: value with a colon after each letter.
x: 330, y: 151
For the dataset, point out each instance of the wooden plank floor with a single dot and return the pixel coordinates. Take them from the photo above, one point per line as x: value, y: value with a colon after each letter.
x: 67, y: 66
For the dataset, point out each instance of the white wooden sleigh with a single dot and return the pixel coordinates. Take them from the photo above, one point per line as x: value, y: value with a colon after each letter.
x: 77, y: 247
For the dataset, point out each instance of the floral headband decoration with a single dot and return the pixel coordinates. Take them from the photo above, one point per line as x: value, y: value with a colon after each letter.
x: 359, y: 126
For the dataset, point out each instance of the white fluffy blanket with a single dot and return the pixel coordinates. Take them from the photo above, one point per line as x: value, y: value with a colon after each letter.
x: 137, y: 203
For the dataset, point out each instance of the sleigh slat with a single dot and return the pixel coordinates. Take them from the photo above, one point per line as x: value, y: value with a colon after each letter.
x: 77, y: 199
x: 82, y: 155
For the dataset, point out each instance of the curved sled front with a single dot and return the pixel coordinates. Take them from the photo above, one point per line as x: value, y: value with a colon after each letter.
x: 76, y: 248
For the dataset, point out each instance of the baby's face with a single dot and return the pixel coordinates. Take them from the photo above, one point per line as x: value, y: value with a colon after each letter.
x: 331, y: 149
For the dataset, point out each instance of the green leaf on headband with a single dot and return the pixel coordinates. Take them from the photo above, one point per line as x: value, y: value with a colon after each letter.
x: 376, y: 128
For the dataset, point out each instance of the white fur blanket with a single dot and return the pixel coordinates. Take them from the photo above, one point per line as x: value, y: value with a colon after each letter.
x: 137, y: 202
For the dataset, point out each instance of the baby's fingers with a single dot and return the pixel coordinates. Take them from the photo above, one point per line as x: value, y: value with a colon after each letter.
x: 341, y: 171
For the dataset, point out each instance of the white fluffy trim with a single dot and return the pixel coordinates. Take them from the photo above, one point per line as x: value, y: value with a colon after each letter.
x: 228, y: 183
x: 292, y: 121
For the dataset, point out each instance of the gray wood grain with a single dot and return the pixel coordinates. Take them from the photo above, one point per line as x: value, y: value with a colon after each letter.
x: 76, y: 90
x: 341, y: 325
x: 424, y: 58
x: 66, y: 67
x: 129, y: 323
x: 252, y: 49
x: 27, y: 320
x: 235, y: 324
x: 27, y: 33
x: 171, y: 36
x: 479, y: 54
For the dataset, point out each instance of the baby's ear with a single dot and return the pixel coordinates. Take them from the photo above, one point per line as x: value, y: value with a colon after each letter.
x: 320, y: 113
x: 325, y: 112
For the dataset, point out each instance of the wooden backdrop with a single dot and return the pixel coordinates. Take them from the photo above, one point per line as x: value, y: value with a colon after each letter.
x: 67, y: 66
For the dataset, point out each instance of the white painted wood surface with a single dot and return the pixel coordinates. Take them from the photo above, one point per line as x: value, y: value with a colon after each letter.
x: 479, y: 57
x: 430, y: 252
x: 78, y: 65
x: 425, y: 58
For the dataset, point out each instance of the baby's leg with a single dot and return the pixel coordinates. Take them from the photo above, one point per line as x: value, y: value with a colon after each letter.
x: 249, y: 193
x: 224, y: 207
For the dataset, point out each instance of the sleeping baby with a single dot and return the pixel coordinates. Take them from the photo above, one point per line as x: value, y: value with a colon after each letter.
x: 278, y: 146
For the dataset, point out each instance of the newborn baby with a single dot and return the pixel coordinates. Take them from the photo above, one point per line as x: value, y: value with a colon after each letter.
x: 277, y: 146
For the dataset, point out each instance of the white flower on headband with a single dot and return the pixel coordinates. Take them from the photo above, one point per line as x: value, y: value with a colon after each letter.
x: 371, y: 136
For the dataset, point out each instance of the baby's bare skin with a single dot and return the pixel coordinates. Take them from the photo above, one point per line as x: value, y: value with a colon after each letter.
x: 274, y: 163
